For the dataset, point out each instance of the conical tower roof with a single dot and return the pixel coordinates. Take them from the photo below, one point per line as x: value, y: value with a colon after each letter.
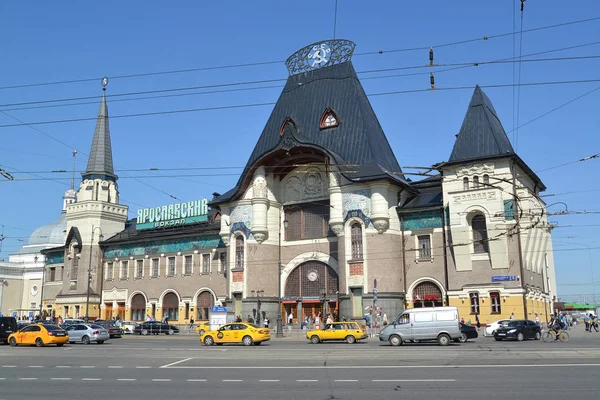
x: 100, y: 163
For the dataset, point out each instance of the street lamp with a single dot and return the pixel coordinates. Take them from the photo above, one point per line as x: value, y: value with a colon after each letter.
x: 279, y: 333
x: 89, y: 277
x: 258, y: 293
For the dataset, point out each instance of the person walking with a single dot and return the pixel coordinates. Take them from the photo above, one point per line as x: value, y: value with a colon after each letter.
x: 266, y: 322
x: 537, y: 319
x: 512, y: 316
x: 586, y: 320
x: 191, y: 322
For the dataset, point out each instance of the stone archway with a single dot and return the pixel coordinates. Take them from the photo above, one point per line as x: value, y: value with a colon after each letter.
x: 170, y: 306
x: 138, y: 307
x: 427, y: 294
x: 204, y: 302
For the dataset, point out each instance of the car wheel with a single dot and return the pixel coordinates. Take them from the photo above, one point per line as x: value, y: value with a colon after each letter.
x: 498, y: 339
x: 315, y: 339
x: 171, y: 332
x: 100, y: 341
x: 247, y: 340
x: 201, y: 332
x: 39, y: 342
x: 350, y: 339
x: 443, y: 340
x: 144, y: 332
x: 13, y: 341
x: 538, y: 336
x: 463, y: 338
x: 60, y: 344
x: 85, y: 340
x: 208, y: 341
x: 493, y: 333
x: 520, y: 337
x: 395, y: 340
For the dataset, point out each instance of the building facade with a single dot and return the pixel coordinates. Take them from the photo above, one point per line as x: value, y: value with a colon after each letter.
x: 321, y: 220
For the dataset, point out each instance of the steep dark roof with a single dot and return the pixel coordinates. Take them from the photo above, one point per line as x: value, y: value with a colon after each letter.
x: 359, y: 138
x: 481, y: 134
x: 100, y: 163
x: 429, y: 195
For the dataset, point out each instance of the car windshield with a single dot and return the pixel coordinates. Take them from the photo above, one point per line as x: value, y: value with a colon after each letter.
x: 52, y: 327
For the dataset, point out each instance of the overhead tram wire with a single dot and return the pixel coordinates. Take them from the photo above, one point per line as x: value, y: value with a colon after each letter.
x: 256, y: 82
x: 252, y: 105
x: 259, y: 63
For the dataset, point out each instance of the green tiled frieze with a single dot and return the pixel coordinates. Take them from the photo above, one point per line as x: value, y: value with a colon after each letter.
x: 55, y: 258
x: 164, y: 246
x: 423, y: 220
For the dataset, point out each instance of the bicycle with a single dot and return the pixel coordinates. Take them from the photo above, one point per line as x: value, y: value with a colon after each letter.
x: 551, y: 335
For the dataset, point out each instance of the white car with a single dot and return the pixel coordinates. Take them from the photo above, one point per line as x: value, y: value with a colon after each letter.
x: 128, y: 327
x: 491, y: 328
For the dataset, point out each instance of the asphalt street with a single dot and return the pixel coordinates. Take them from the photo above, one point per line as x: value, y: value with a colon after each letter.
x: 180, y: 367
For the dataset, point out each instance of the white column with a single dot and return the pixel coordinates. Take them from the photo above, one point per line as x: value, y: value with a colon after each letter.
x: 380, y: 215
x: 336, y: 215
x: 260, y: 205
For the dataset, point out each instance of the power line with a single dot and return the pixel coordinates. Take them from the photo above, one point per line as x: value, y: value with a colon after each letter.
x: 252, y: 105
x: 259, y: 63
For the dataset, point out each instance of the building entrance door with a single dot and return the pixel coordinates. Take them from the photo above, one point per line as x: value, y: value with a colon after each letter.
x: 121, y: 311
x: 108, y: 312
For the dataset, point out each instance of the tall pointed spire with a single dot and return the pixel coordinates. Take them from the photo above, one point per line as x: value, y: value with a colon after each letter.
x: 481, y: 134
x: 100, y: 163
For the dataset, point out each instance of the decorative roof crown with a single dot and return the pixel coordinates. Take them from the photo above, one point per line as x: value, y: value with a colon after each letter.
x: 319, y: 55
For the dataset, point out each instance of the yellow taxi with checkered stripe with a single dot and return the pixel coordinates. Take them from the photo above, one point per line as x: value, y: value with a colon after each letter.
x: 237, y: 332
x: 348, y: 331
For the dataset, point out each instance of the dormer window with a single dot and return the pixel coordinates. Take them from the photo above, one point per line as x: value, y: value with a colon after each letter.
x: 286, y: 121
x: 329, y: 119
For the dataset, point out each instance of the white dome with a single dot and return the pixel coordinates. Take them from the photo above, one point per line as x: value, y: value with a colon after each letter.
x: 50, y: 234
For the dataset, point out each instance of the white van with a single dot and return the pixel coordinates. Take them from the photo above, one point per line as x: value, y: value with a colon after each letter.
x: 433, y: 323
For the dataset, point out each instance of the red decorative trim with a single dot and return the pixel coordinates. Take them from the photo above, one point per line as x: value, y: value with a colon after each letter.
x: 327, y: 113
x: 287, y: 120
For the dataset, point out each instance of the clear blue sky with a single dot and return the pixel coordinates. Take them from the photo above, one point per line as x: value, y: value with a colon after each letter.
x: 78, y: 40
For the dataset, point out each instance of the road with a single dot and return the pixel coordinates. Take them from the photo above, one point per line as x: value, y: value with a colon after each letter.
x: 180, y: 367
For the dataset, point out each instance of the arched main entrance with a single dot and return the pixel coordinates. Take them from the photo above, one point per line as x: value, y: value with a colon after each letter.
x: 313, y: 285
x: 138, y: 307
x: 170, y: 306
x: 204, y: 302
x: 427, y: 294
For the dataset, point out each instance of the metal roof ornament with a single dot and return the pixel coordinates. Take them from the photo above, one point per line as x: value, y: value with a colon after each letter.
x: 104, y: 83
x: 319, y: 55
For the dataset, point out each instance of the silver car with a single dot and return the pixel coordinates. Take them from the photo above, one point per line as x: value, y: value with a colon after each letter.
x: 87, y: 333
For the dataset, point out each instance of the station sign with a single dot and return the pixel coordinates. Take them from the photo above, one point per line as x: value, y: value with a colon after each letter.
x: 173, y: 214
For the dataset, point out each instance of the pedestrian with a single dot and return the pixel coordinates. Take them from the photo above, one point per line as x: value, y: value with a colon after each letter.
x: 266, y: 322
x: 250, y: 320
x: 512, y: 315
x: 477, y: 321
x: 191, y: 322
x: 586, y: 319
x: 537, y: 319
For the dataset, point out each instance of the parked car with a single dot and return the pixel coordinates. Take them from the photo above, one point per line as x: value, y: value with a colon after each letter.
x: 128, y: 327
x: 348, y: 331
x: 467, y: 332
x: 422, y: 324
x: 237, y: 332
x: 110, y: 325
x: 518, y: 330
x: 490, y: 329
x: 87, y: 333
x: 155, y: 328
x: 8, y: 325
x: 39, y: 335
x: 71, y: 321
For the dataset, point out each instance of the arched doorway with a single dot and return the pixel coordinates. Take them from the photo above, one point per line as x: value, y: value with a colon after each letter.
x: 170, y: 305
x: 204, y: 302
x: 138, y: 307
x: 310, y: 283
x: 427, y: 294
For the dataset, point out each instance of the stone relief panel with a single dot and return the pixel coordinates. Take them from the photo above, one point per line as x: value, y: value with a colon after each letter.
x: 475, y: 169
x: 305, y: 185
x: 475, y: 196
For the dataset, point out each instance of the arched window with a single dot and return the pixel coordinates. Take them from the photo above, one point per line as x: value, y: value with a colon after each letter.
x: 204, y: 302
x: 465, y: 183
x: 138, y: 307
x: 486, y: 180
x: 475, y: 182
x: 171, y: 306
x: 480, y: 235
x: 239, y: 252
x: 286, y: 121
x: 329, y: 119
x: 357, y: 241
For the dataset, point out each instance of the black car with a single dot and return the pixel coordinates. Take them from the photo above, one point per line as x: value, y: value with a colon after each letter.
x: 113, y: 330
x: 8, y: 325
x: 518, y: 330
x: 154, y: 328
x: 467, y: 332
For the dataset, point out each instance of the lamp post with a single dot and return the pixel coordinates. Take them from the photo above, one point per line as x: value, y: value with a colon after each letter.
x: 279, y: 333
x: 35, y: 260
x: 89, y: 275
x: 258, y: 293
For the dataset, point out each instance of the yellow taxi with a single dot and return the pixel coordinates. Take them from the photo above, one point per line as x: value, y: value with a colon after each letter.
x: 39, y: 335
x: 348, y: 331
x: 237, y: 332
x: 202, y: 327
